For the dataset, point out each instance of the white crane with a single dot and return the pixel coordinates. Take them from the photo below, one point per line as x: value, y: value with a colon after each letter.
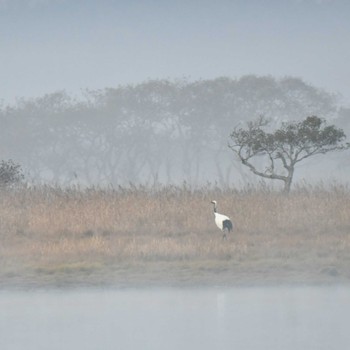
x: 223, y: 222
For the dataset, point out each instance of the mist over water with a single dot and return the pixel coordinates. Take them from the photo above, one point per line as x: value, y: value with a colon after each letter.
x: 247, y: 318
x: 70, y: 117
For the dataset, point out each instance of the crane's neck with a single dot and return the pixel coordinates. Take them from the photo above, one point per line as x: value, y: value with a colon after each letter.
x: 214, y: 207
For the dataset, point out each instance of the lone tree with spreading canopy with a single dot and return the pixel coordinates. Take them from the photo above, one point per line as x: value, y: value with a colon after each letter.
x: 283, y: 148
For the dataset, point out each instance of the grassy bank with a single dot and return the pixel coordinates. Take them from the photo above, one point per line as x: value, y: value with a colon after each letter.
x: 167, y: 236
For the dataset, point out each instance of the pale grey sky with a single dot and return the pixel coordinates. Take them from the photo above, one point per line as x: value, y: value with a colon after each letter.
x: 50, y: 45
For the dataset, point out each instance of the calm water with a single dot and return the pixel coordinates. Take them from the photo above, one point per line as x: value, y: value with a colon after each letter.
x: 242, y: 318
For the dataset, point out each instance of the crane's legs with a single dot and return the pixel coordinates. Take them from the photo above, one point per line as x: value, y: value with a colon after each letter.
x: 224, y: 237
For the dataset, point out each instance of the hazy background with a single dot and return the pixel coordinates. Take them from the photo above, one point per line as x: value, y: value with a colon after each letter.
x: 100, y: 92
x: 49, y: 45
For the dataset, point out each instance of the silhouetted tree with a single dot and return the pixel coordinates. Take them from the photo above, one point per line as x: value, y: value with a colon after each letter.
x: 283, y: 148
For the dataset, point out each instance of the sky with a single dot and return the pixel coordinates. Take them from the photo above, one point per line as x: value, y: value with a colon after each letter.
x: 54, y: 45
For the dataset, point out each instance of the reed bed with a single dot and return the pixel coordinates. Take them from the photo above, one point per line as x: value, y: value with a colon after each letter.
x: 167, y: 235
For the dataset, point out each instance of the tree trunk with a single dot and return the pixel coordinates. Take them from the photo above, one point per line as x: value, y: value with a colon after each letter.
x: 288, y: 180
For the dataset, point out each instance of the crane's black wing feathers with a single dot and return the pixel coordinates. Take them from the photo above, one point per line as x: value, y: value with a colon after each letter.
x: 227, y: 224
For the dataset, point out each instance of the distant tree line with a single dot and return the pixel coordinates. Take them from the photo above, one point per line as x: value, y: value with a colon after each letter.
x: 157, y: 131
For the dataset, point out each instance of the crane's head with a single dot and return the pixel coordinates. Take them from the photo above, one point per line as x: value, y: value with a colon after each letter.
x: 213, y: 202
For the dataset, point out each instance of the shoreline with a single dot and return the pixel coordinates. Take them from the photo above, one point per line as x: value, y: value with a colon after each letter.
x: 175, y: 278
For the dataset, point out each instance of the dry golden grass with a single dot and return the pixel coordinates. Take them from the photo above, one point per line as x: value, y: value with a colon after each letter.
x: 52, y: 236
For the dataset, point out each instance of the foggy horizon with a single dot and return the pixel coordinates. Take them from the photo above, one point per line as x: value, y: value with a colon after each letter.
x: 121, y: 122
x: 54, y: 45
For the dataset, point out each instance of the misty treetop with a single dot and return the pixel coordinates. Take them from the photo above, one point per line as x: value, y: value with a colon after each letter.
x: 160, y: 130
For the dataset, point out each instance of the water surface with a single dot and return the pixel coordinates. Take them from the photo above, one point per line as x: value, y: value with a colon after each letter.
x: 234, y: 318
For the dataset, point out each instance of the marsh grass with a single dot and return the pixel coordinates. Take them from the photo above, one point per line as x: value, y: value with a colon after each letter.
x: 51, y: 235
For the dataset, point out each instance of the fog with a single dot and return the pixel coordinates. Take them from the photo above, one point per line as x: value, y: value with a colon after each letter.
x: 70, y: 116
x: 161, y: 131
x: 312, y: 318
x: 50, y: 45
x: 147, y: 92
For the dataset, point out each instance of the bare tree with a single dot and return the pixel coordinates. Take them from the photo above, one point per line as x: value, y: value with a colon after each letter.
x: 283, y: 148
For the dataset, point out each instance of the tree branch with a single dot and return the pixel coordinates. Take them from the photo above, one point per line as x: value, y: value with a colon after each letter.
x: 259, y: 173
